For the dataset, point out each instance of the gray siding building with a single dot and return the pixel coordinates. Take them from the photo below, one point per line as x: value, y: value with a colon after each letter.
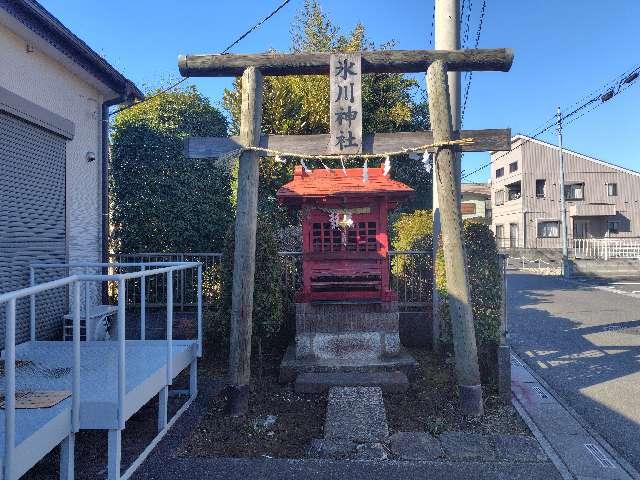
x: 602, y: 199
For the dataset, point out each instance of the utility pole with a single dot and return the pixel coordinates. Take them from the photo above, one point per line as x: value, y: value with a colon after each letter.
x: 446, y: 25
x: 462, y: 327
x: 563, y: 204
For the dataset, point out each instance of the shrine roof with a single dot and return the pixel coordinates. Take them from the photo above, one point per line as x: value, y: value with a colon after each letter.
x: 326, y: 183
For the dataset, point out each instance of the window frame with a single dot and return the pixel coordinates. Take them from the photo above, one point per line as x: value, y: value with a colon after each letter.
x: 567, y: 188
x: 616, y: 229
x: 541, y: 222
x: 544, y: 187
x: 500, y: 172
x: 612, y: 192
x: 513, y: 167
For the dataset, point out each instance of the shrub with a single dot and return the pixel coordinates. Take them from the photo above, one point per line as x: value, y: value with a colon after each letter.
x: 267, y: 295
x: 414, y: 231
x: 160, y: 200
x: 483, y: 268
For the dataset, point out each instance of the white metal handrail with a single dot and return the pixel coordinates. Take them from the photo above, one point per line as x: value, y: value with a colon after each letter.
x: 9, y: 299
x: 74, y: 282
x: 161, y: 268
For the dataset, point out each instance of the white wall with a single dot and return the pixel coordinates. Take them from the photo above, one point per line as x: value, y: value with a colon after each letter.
x: 41, y: 80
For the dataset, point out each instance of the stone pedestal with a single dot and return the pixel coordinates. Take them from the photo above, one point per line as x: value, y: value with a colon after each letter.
x: 349, y: 331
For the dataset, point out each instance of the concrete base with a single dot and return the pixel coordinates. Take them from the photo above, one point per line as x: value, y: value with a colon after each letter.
x: 291, y: 366
x: 391, y: 382
x: 350, y: 331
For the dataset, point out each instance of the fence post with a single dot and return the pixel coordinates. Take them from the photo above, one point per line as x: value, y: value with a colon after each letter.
x: 10, y: 388
x: 169, y: 378
x: 32, y: 305
x: 75, y: 399
x: 143, y: 305
x: 199, y: 310
x: 504, y: 351
x: 122, y: 292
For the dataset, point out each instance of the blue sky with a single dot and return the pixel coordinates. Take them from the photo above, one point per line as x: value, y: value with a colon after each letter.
x: 564, y: 49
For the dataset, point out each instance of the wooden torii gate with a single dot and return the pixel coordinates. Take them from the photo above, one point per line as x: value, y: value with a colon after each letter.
x: 252, y: 67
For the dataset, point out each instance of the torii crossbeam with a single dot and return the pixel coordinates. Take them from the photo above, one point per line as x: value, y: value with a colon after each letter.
x: 252, y: 67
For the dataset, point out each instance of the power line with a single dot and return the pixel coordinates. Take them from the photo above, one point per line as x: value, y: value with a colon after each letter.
x: 624, y: 82
x: 257, y: 25
x: 224, y: 52
x: 146, y: 99
x: 470, y: 74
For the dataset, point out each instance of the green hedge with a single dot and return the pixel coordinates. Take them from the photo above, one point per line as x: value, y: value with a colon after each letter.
x: 268, y: 302
x: 414, y: 231
x: 160, y: 200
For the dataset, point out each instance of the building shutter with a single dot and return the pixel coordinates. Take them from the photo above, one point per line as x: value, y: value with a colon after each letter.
x: 32, y: 219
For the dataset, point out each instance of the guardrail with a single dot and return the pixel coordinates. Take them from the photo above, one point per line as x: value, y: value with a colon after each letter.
x: 523, y: 262
x: 606, y: 248
x: 9, y: 299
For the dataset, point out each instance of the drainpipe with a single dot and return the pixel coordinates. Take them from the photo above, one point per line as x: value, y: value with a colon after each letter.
x: 105, y: 181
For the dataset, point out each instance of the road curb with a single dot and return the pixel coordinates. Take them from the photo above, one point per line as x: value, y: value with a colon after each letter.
x: 566, y: 470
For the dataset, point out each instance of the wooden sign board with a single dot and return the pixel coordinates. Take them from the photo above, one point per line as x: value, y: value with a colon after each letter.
x: 468, y: 208
x: 345, y: 103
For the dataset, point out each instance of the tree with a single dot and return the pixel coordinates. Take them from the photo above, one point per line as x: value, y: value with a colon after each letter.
x: 299, y: 105
x: 160, y: 200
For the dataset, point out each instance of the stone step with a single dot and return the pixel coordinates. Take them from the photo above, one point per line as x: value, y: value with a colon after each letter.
x: 391, y: 382
x: 291, y: 367
x: 356, y: 414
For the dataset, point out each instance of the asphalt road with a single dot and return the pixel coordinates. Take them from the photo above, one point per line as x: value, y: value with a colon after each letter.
x: 583, y: 339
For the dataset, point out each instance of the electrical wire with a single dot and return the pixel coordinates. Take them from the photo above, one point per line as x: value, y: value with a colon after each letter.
x: 470, y: 74
x: 622, y: 86
x: 224, y: 52
x: 256, y: 26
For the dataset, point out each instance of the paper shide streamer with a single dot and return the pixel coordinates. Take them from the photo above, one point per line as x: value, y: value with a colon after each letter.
x: 387, y: 166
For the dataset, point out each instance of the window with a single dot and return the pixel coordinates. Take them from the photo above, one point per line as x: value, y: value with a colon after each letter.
x: 541, y: 186
x: 574, y: 191
x: 514, y: 191
x: 613, y: 227
x: 612, y: 189
x: 549, y: 229
x: 499, y: 197
x: 499, y: 235
x: 513, y: 167
x: 500, y: 172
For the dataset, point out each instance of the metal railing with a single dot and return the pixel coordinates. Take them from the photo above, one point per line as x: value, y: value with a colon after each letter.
x: 9, y: 299
x: 184, y: 285
x: 525, y: 263
x: 411, y: 273
x: 606, y: 248
x: 144, y: 271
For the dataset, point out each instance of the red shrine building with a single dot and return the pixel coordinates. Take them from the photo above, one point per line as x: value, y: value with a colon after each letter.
x: 345, y: 306
x: 344, y: 232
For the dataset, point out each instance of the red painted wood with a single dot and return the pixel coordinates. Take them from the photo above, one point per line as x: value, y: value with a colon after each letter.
x: 333, y: 270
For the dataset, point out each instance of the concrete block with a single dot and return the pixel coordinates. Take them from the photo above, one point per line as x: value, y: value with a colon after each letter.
x: 356, y: 414
x: 336, y: 449
x: 467, y: 446
x: 415, y: 446
x: 518, y: 448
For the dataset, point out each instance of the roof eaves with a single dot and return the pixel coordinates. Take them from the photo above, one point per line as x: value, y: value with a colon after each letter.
x: 580, y: 155
x: 37, y: 19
